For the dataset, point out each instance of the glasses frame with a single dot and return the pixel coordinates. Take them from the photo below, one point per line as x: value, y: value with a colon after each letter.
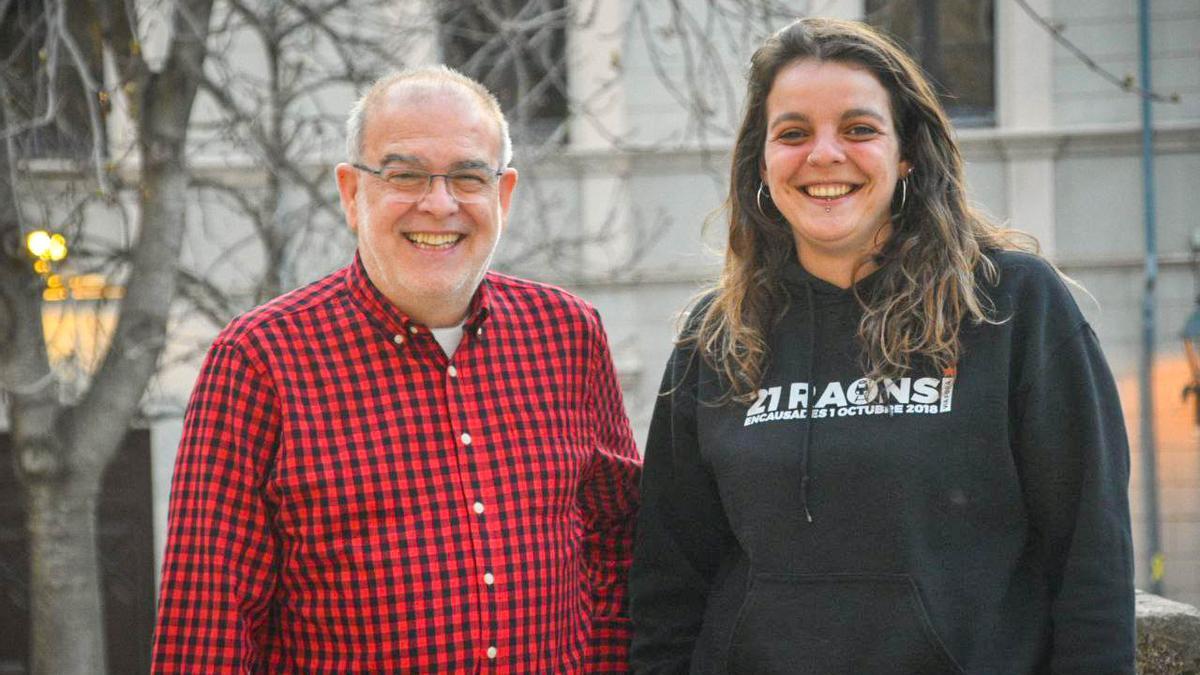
x: 378, y: 173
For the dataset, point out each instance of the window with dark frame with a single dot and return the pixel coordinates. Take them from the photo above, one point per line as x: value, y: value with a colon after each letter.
x: 517, y: 48
x: 954, y: 41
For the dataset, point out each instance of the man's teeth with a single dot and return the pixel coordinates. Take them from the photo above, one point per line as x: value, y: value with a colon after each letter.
x: 828, y: 190
x: 431, y: 239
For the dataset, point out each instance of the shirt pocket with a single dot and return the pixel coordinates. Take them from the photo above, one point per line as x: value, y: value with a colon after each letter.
x: 836, y: 623
x: 547, y: 472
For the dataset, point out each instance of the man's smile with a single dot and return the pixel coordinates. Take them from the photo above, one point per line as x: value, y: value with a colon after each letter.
x: 433, y: 240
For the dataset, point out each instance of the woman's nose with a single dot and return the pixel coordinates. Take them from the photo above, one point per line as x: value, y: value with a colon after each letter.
x: 826, y: 150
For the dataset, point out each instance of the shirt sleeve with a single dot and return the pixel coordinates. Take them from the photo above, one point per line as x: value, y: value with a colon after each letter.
x: 1073, y: 455
x: 683, y: 532
x: 608, y: 503
x: 218, y: 573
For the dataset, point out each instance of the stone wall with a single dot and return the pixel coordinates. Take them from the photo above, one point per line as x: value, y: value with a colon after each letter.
x: 1168, y: 637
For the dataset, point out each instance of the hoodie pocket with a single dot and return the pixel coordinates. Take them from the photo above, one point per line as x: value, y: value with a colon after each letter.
x: 836, y: 623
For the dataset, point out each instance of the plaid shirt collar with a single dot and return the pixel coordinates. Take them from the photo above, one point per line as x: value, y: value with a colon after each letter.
x: 380, y: 310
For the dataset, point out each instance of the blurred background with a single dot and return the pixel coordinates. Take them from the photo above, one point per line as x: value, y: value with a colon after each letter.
x: 165, y: 166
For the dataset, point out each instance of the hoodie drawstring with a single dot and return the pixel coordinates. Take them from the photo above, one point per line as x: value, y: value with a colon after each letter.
x: 807, y: 443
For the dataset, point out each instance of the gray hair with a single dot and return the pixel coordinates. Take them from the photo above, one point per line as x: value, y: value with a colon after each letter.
x: 441, y: 76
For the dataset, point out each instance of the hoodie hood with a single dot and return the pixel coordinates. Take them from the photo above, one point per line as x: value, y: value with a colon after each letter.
x: 796, y: 278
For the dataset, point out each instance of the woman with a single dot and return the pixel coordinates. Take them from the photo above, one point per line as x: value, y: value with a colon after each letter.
x: 888, y: 441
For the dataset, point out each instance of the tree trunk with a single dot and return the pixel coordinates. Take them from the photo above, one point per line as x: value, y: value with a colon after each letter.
x: 60, y: 455
x: 66, y: 611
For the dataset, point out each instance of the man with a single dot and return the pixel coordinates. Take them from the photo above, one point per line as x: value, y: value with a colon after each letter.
x: 414, y: 464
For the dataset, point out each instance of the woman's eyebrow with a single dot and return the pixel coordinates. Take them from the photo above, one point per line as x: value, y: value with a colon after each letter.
x: 788, y: 117
x: 851, y: 113
x: 864, y: 112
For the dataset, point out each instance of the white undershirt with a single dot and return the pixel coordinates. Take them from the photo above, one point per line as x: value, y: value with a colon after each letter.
x: 448, y: 338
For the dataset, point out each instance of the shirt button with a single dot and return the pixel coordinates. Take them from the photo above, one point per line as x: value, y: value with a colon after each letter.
x: 466, y: 439
x: 491, y: 652
x: 452, y: 371
x: 479, y: 331
x: 478, y: 507
x: 413, y: 329
x: 398, y: 339
x: 489, y: 579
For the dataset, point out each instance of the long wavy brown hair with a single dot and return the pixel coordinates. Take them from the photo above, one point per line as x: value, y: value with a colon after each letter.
x: 927, y: 270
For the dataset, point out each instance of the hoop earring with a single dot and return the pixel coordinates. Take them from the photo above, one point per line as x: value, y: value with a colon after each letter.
x: 903, y: 191
x: 758, y: 198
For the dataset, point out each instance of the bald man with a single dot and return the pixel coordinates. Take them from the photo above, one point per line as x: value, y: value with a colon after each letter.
x: 414, y: 464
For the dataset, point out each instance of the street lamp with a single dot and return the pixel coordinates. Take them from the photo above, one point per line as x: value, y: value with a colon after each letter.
x: 46, y: 245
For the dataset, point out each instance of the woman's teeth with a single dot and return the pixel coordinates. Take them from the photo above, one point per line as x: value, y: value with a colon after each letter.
x: 828, y: 190
x: 431, y: 240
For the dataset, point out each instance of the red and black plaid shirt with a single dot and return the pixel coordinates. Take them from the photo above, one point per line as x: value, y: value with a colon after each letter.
x: 347, y: 499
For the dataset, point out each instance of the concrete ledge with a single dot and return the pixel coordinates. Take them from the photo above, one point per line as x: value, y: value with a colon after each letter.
x: 1168, y: 636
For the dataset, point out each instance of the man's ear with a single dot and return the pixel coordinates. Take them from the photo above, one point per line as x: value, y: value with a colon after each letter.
x: 508, y: 183
x: 347, y: 182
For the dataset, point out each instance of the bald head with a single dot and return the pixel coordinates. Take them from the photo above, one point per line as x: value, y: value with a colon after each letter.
x: 420, y: 84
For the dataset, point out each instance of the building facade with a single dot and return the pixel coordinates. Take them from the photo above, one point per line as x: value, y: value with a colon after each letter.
x: 1059, y: 155
x: 624, y: 168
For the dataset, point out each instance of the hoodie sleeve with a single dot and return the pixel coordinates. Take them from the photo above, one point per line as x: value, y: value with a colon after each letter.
x: 1071, y: 448
x: 682, y: 531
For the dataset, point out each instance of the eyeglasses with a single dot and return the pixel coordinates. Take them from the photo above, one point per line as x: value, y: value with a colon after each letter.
x: 467, y: 186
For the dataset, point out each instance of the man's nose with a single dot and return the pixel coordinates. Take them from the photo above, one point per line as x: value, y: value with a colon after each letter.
x: 438, y: 200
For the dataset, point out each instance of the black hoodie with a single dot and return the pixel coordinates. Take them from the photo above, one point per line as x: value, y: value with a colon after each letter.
x: 974, y: 520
